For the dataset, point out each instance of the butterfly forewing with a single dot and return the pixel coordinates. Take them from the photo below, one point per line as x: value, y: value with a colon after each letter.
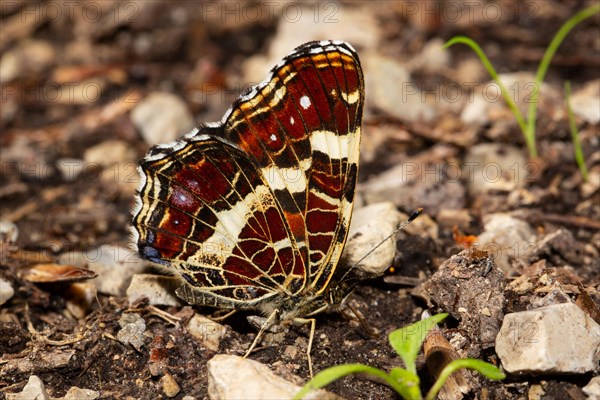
x: 259, y: 205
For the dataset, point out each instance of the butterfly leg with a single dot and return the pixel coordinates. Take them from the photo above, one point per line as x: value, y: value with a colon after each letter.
x: 218, y: 318
x: 311, y: 336
x: 261, y: 332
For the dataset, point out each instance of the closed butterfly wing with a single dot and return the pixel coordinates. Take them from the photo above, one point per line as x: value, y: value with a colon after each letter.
x: 256, y: 208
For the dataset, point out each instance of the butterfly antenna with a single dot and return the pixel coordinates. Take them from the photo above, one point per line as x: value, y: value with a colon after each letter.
x: 403, y: 225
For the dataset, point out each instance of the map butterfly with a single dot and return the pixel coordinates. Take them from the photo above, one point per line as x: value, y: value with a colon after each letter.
x: 253, y: 211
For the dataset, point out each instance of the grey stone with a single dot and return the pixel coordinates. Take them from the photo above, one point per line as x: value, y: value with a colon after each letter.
x: 557, y: 339
x: 158, y: 289
x: 206, y: 331
x: 6, y: 291
x: 33, y: 390
x: 507, y: 238
x: 132, y: 330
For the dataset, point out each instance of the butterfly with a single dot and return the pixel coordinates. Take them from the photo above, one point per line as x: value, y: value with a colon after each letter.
x: 253, y: 211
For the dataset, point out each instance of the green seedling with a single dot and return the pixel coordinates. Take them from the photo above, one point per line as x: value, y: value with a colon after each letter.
x: 528, y: 125
x: 407, y: 343
x: 575, y: 134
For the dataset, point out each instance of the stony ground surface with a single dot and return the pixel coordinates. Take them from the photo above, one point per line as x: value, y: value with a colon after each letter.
x: 88, y: 87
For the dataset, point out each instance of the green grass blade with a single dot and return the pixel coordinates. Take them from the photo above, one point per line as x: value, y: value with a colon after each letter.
x: 575, y: 134
x: 486, y: 369
x: 329, y: 375
x: 543, y: 68
x: 407, y: 341
x: 492, y: 71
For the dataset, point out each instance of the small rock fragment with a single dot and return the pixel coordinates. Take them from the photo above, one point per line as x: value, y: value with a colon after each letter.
x: 9, y: 232
x: 585, y: 102
x: 70, y: 168
x: 34, y: 389
x: 27, y: 58
x: 258, y: 381
x: 76, y: 393
x: 369, y: 227
x: 108, y: 153
x: 158, y: 289
x: 161, y: 118
x: 6, y: 291
x: 408, y: 103
x: 132, y: 330
x: 207, y: 331
x: 507, y: 238
x: 169, y: 385
x: 460, y: 218
x: 589, y: 187
x: 534, y: 342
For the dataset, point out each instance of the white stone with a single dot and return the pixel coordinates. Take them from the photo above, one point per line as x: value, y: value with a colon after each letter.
x: 6, y: 291
x: 592, y: 389
x: 169, y: 385
x: 115, y: 266
x: 556, y: 339
x: 158, y: 289
x: 369, y: 227
x: 161, y: 118
x: 506, y: 237
x: 475, y: 112
x: 433, y: 57
x: 34, y: 389
x: 9, y: 232
x: 206, y: 331
x: 234, y: 377
x: 76, y: 393
x: 585, y: 102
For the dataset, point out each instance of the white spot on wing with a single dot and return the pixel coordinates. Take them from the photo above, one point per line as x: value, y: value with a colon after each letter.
x: 351, y: 98
x: 330, y: 143
x: 305, y: 102
x: 273, y: 137
x: 291, y: 179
